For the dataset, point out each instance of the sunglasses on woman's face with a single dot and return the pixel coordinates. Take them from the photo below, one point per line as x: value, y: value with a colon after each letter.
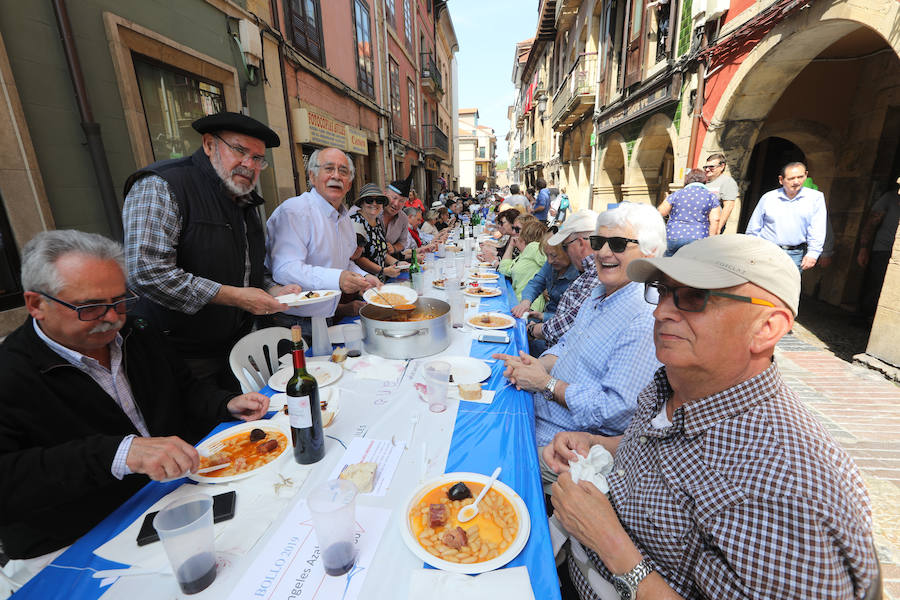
x: 517, y: 229
x: 616, y: 244
x: 379, y: 199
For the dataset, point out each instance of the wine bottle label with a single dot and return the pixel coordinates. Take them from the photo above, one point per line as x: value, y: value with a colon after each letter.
x: 299, y: 412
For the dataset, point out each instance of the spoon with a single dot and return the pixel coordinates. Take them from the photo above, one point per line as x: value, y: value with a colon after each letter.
x: 468, y: 512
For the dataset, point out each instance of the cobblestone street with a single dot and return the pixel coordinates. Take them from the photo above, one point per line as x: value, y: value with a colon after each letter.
x: 862, y: 410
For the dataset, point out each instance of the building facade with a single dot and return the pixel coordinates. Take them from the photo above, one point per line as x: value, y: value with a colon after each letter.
x: 477, y: 153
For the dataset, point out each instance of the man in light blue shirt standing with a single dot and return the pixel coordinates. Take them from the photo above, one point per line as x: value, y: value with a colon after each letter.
x: 542, y: 202
x: 793, y: 217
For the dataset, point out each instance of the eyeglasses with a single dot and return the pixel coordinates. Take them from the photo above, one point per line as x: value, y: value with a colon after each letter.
x: 711, y: 167
x: 241, y: 152
x: 94, y: 312
x: 331, y: 169
x: 565, y: 245
x: 378, y: 199
x: 691, y: 299
x: 616, y: 244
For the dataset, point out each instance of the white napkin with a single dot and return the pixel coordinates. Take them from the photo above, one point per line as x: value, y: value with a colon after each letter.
x: 594, y: 467
x: 376, y: 367
x: 487, y: 396
x: 440, y: 585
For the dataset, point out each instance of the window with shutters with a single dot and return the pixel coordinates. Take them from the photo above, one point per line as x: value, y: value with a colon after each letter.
x: 395, y: 95
x: 634, y: 56
x: 305, y: 21
x: 364, y: 70
x: 411, y: 90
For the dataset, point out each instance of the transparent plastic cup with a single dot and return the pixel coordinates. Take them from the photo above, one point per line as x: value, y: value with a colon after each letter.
x: 185, y: 527
x: 353, y: 335
x: 333, y: 509
x: 437, y: 382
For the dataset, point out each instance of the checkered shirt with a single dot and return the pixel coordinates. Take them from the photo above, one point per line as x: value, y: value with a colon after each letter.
x: 152, y: 228
x: 745, y: 495
x: 569, y: 303
x: 606, y: 358
x: 114, y: 382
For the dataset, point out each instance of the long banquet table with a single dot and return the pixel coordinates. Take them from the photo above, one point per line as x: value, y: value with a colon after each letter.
x: 469, y: 436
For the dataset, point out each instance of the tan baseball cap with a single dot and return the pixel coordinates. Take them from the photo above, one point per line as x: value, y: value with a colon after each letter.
x: 723, y: 261
x: 579, y: 222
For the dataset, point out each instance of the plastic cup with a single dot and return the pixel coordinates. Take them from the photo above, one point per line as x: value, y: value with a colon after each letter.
x: 460, y: 264
x: 441, y: 252
x: 333, y: 509
x: 437, y: 381
x: 353, y: 335
x: 185, y: 527
x: 472, y: 304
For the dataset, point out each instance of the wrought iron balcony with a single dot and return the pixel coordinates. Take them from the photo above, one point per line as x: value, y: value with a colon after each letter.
x: 435, y: 142
x: 432, y: 82
x: 577, y: 92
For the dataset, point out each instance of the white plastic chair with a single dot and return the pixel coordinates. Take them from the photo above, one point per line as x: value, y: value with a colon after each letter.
x: 254, y: 357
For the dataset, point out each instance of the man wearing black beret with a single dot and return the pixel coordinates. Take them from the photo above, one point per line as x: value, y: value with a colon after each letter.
x: 194, y: 243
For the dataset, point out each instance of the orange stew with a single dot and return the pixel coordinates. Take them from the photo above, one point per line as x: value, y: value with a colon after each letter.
x: 488, y: 535
x: 245, y: 454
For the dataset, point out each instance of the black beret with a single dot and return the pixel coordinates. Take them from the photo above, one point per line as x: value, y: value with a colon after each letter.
x: 230, y: 121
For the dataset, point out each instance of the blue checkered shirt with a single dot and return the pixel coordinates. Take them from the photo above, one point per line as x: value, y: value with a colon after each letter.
x: 570, y: 302
x: 606, y: 358
x: 114, y: 382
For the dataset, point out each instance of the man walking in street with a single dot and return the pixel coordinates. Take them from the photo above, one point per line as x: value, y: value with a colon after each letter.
x: 517, y: 200
x: 194, y: 243
x: 793, y: 217
x: 542, y: 201
x: 722, y: 185
x: 724, y: 485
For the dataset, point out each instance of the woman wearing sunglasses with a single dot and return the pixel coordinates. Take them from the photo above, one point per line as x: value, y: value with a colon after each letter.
x: 521, y: 269
x: 372, y: 256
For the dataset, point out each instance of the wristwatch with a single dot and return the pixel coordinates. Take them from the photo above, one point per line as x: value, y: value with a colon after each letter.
x: 626, y: 584
x: 547, y: 392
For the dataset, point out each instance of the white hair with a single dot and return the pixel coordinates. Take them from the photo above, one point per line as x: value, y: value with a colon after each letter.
x: 646, y: 222
x: 313, y: 166
x: 41, y: 253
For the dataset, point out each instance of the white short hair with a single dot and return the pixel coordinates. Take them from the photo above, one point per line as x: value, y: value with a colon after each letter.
x: 312, y: 168
x: 43, y: 251
x: 646, y: 222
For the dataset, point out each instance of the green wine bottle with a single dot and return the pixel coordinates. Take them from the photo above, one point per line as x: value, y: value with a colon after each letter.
x: 304, y: 410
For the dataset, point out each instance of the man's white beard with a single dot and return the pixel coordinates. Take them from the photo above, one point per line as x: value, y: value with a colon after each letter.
x: 225, y: 176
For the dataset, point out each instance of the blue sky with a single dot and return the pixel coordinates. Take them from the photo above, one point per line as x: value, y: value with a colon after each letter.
x: 488, y: 31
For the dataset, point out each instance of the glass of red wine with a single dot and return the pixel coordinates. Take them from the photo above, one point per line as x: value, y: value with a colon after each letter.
x: 185, y: 527
x: 333, y: 509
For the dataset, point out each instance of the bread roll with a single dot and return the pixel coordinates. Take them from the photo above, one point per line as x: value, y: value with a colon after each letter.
x: 362, y: 474
x: 470, y: 391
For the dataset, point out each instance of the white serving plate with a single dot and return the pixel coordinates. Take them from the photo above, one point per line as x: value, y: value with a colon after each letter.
x: 473, y: 321
x: 408, y: 294
x: 466, y: 369
x: 494, y: 292
x: 265, y: 425
x: 300, y: 299
x: 473, y: 568
x: 325, y: 373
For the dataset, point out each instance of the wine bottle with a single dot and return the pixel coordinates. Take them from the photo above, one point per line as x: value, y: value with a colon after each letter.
x: 304, y: 410
x: 462, y: 231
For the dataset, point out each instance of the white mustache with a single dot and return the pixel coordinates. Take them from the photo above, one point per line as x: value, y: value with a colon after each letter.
x: 104, y: 327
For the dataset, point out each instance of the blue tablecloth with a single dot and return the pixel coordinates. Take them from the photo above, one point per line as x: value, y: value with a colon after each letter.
x: 484, y: 436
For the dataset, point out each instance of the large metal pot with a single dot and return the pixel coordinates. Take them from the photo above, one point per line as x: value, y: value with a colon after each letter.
x: 406, y: 334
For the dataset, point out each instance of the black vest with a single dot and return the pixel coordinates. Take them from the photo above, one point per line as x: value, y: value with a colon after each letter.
x: 214, y: 234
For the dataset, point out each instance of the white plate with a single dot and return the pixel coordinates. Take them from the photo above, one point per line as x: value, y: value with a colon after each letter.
x: 265, y: 425
x: 408, y: 294
x: 301, y: 299
x: 325, y: 373
x: 495, y: 563
x: 441, y: 286
x: 473, y: 321
x: 493, y: 292
x: 329, y: 395
x: 484, y: 276
x: 466, y: 369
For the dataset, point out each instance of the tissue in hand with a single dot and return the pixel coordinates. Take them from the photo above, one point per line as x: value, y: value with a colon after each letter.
x: 594, y: 467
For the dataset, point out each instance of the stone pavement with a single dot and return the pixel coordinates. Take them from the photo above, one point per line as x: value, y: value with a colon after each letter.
x: 861, y: 409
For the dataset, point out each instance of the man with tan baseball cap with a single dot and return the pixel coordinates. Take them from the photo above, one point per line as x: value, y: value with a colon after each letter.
x: 724, y: 485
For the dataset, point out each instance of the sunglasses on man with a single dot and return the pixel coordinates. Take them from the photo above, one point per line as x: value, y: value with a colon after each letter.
x: 691, y: 299
x: 378, y: 199
x: 616, y: 244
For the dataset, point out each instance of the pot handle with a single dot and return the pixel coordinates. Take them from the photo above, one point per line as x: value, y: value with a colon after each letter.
x: 400, y: 335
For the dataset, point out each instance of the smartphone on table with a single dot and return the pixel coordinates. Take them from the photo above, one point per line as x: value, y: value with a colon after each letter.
x: 223, y: 509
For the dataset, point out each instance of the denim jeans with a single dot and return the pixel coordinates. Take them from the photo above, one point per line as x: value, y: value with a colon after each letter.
x: 796, y: 256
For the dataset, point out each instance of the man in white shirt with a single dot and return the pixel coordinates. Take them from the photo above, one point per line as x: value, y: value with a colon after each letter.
x: 793, y: 217
x: 311, y: 240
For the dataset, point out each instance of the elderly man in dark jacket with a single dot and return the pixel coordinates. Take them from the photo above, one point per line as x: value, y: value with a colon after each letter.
x: 92, y: 404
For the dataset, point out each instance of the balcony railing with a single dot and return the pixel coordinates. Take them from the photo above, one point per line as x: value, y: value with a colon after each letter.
x: 434, y: 138
x: 431, y: 76
x: 578, y: 87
